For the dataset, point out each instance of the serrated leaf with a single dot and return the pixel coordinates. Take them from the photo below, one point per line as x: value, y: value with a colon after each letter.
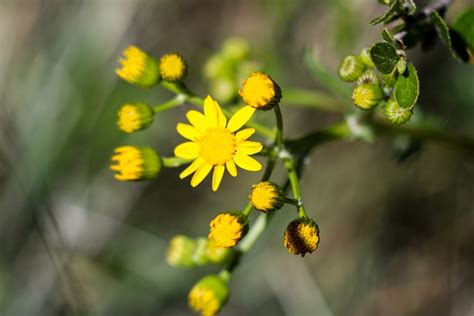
x: 387, y: 36
x: 443, y: 32
x: 407, y: 87
x: 393, y: 8
x: 384, y: 57
x: 464, y: 26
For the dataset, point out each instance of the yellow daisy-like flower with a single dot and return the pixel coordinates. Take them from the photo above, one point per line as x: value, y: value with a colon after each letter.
x: 208, y: 295
x: 301, y: 236
x: 266, y: 196
x: 134, y: 117
x: 173, y: 67
x: 260, y: 92
x: 135, y: 163
x: 138, y: 68
x: 216, y: 144
x: 227, y: 229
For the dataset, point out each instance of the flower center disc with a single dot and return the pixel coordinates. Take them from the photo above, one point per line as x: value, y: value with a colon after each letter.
x: 217, y: 145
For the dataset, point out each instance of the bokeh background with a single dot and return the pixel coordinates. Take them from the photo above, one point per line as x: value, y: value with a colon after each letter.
x: 396, y: 234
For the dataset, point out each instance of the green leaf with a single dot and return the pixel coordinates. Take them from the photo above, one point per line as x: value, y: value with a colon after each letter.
x: 443, y: 32
x: 393, y: 8
x: 407, y: 87
x: 384, y: 57
x: 401, y: 66
x: 387, y: 37
x: 464, y: 26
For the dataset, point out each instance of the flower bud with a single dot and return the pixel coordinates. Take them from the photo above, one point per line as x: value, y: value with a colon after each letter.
x: 180, y: 252
x: 135, y: 163
x: 367, y: 95
x: 173, y: 67
x: 365, y: 57
x: 260, y: 91
x: 350, y: 68
x: 301, y: 236
x: 367, y: 77
x: 138, y: 68
x: 235, y: 49
x: 208, y: 295
x: 199, y: 256
x: 218, y: 255
x: 266, y: 196
x: 134, y: 117
x: 397, y: 114
x: 228, y: 228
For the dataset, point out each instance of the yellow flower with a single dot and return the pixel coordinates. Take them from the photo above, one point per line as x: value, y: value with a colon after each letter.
x: 134, y: 117
x: 173, y: 67
x: 135, y: 163
x: 227, y: 229
x: 260, y: 91
x: 138, y: 68
x: 301, y: 236
x: 208, y: 295
x: 214, y: 143
x: 266, y: 196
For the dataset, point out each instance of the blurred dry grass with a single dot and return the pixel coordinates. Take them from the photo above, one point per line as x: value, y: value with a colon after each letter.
x: 396, y: 237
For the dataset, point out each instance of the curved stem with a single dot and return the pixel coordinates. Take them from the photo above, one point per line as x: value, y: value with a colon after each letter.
x: 279, y: 121
x: 295, y: 184
x: 176, y: 101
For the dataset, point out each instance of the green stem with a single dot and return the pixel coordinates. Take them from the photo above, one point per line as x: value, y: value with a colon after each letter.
x: 248, y: 208
x: 176, y: 101
x: 295, y: 184
x: 291, y: 201
x: 173, y: 162
x: 257, y: 228
x: 279, y: 121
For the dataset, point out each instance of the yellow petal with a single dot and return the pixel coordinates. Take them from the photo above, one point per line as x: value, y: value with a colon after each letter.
x: 192, y: 168
x: 213, y: 113
x: 217, y: 176
x: 197, y: 119
x: 230, y: 164
x: 246, y: 162
x: 240, y: 118
x: 200, y: 174
x: 244, y: 134
x: 187, y: 150
x: 248, y: 147
x: 187, y: 131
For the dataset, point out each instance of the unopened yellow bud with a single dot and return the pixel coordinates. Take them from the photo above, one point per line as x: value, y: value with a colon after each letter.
x: 138, y: 67
x: 266, y: 196
x: 218, y: 255
x: 134, y: 117
x: 173, y: 67
x: 260, y: 91
x: 135, y: 163
x: 301, y: 236
x: 397, y: 114
x: 208, y: 295
x: 228, y: 228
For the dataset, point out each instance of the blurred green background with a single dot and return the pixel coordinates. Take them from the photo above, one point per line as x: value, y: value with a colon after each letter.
x: 396, y: 237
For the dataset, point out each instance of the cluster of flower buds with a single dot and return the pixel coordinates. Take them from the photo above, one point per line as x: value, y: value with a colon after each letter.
x: 396, y: 87
x: 217, y: 142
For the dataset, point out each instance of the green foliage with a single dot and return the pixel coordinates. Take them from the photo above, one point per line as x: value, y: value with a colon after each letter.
x: 384, y: 57
x: 407, y: 87
x: 387, y: 16
x: 464, y: 26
